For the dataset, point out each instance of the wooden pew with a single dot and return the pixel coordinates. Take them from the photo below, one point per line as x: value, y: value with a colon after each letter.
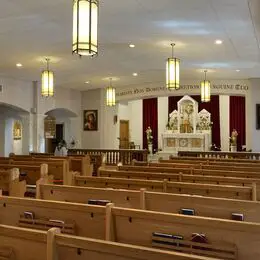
x: 10, y: 183
x: 220, y: 166
x: 191, y: 170
x: 33, y: 173
x: 59, y: 169
x: 23, y: 244
x: 209, y: 190
x: 212, y: 159
x: 155, y: 201
x: 80, y: 164
x: 191, y: 175
x: 215, y: 154
x: 238, y: 240
x: 190, y: 178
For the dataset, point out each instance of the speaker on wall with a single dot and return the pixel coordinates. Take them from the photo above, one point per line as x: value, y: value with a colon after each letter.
x: 258, y: 116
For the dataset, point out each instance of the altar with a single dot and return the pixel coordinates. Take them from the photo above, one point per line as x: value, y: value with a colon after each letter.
x: 172, y: 142
x: 187, y: 129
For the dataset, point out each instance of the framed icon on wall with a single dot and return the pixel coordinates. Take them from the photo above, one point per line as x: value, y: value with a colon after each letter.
x: 90, y: 120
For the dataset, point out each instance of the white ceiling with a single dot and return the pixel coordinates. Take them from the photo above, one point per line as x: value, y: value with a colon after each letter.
x: 30, y: 30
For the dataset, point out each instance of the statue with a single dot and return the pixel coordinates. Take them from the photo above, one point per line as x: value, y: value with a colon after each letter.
x: 186, y: 126
x: 149, y: 137
x: 233, y: 139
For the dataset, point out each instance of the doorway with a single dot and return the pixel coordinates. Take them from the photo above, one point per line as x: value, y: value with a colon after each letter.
x: 51, y: 144
x: 124, y: 134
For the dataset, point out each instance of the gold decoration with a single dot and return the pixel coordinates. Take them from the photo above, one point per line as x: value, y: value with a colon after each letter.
x: 50, y: 127
x: 17, y: 130
x: 171, y: 142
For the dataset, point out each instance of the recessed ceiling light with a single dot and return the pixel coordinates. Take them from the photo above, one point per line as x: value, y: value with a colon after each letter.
x: 237, y: 70
x: 19, y: 65
x: 86, y: 82
x: 135, y: 74
x: 131, y: 45
x: 218, y: 42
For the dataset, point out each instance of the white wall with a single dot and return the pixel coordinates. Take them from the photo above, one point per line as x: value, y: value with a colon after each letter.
x: 253, y: 135
x: 17, y: 93
x: 224, y: 122
x: 92, y: 100
x: 136, y: 121
x: 2, y: 135
x: 162, y: 118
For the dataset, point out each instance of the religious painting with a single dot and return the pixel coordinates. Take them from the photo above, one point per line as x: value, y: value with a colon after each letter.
x: 17, y: 130
x: 90, y: 120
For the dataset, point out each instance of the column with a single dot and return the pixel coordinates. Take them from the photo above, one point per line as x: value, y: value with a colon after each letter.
x: 162, y: 118
x: 40, y: 133
x: 26, y: 133
x: 224, y: 122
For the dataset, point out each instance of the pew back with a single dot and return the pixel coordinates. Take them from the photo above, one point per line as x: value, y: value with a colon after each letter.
x: 210, y: 190
x: 33, y: 173
x: 17, y: 243
x: 136, y: 227
x: 190, y: 178
x: 155, y: 201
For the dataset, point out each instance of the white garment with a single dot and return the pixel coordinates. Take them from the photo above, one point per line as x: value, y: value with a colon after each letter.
x: 62, y: 152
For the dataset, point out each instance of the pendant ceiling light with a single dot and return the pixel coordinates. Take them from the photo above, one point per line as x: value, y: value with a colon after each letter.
x: 85, y: 23
x: 173, y: 71
x: 47, y: 82
x: 111, y: 95
x: 205, y: 89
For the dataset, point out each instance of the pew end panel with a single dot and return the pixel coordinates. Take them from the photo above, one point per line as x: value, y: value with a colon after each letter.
x: 10, y: 183
x: 23, y: 242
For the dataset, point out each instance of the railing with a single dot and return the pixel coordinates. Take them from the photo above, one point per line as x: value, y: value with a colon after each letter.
x: 235, y: 155
x: 113, y: 157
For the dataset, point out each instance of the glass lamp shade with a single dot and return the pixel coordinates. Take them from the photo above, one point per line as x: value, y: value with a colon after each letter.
x: 47, y: 83
x: 173, y: 73
x: 205, y: 90
x: 111, y: 96
x: 85, y: 23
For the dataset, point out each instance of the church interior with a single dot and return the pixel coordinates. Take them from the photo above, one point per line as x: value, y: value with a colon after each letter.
x: 130, y: 130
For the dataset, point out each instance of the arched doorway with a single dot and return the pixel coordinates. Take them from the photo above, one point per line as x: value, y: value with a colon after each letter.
x: 63, y: 128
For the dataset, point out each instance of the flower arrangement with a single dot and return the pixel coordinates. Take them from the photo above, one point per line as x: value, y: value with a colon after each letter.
x: 149, y: 135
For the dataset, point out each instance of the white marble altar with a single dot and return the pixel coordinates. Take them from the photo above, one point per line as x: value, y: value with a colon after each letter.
x: 187, y: 129
x: 174, y: 142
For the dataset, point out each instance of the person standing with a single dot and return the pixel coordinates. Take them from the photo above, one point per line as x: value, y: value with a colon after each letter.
x: 61, y: 149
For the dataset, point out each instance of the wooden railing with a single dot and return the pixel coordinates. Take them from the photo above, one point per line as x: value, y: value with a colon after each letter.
x: 236, y: 155
x: 113, y: 157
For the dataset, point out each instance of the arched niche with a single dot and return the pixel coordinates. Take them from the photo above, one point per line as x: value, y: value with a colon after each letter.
x: 14, y: 129
x: 61, y: 113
